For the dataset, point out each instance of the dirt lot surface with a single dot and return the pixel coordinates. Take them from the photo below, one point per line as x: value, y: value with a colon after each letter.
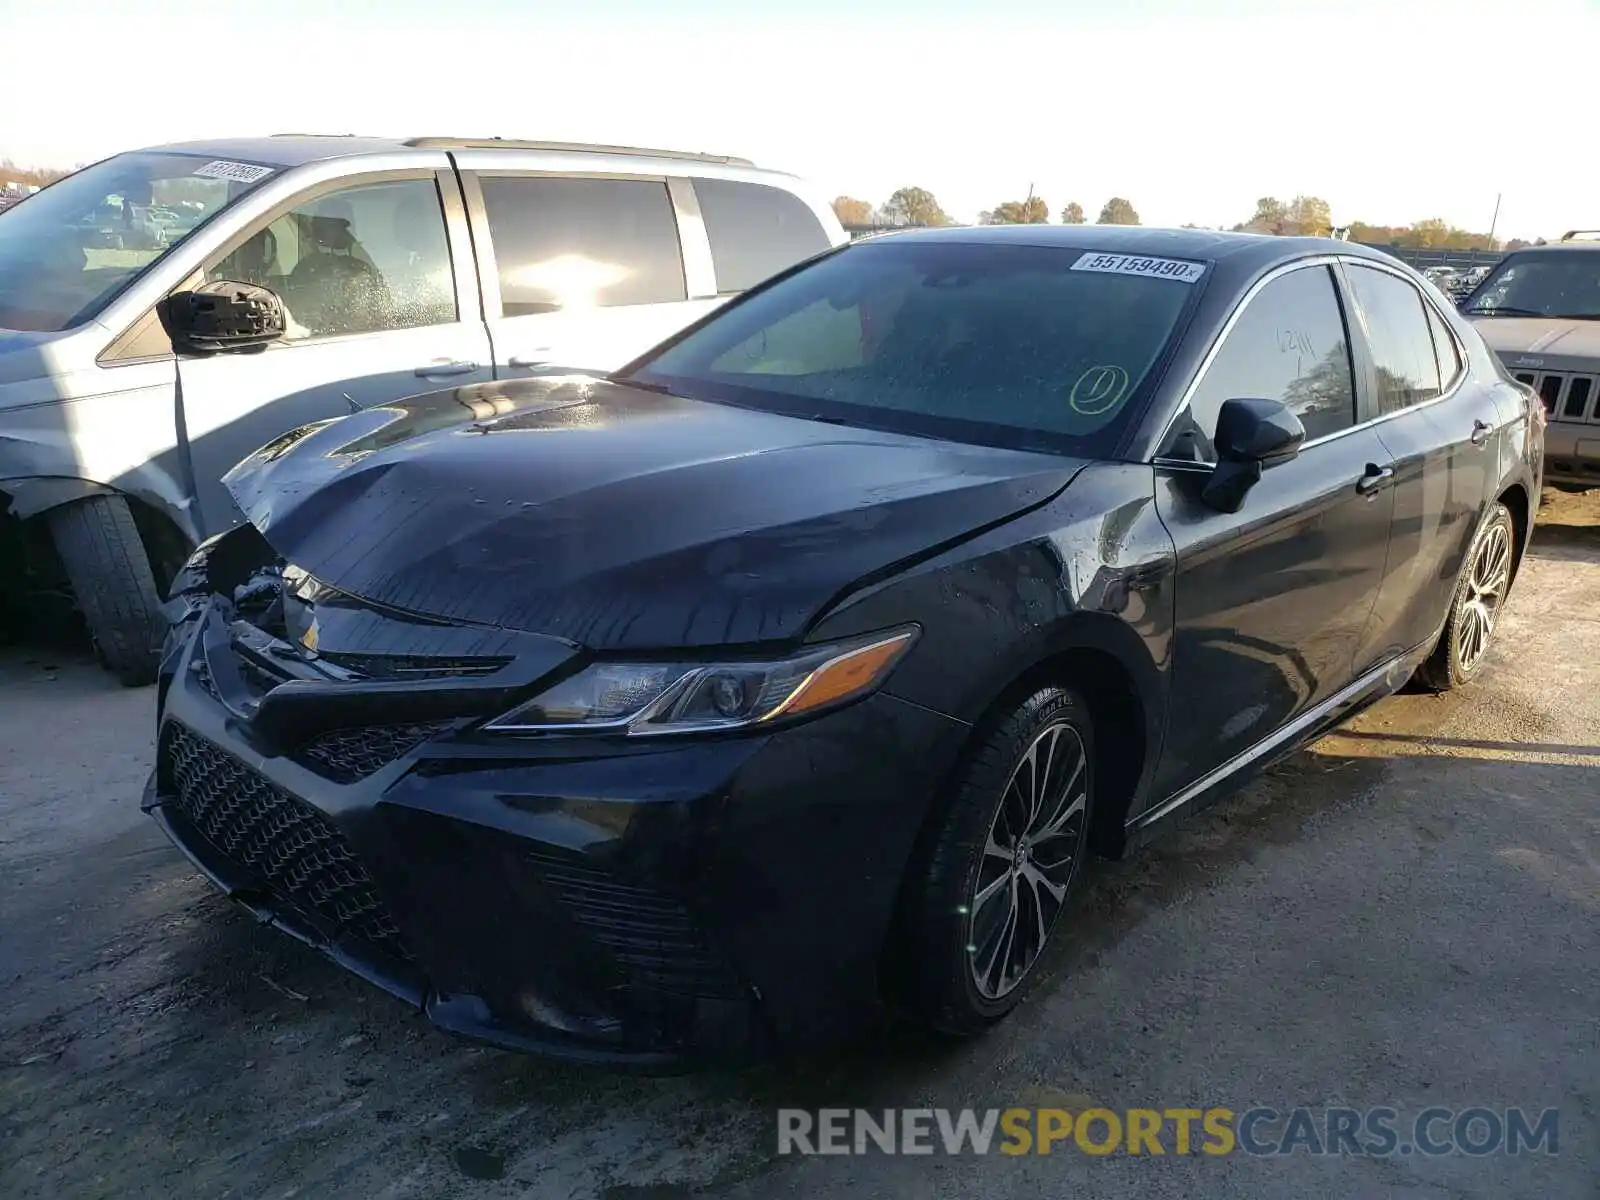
x: 1406, y: 914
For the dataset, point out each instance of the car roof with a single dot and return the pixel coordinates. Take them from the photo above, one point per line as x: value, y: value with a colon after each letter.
x: 1238, y: 255
x: 297, y: 149
x: 1577, y: 245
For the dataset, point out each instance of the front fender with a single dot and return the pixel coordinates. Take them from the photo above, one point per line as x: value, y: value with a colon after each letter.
x: 30, y: 497
x: 1091, y: 570
x: 39, y: 471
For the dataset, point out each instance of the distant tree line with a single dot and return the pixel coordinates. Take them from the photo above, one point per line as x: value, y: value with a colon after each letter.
x: 917, y: 206
x: 1311, y: 215
x: 1300, y: 216
x: 31, y: 176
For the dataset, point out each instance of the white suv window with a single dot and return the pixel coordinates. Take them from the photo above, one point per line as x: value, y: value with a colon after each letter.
x: 561, y: 242
x: 755, y: 231
x: 358, y: 260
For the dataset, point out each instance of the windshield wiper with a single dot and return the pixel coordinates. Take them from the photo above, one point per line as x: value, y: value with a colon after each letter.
x: 1576, y: 317
x: 1503, y: 310
x: 659, y: 389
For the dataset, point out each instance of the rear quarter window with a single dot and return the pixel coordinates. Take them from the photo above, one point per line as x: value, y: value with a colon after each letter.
x: 755, y: 231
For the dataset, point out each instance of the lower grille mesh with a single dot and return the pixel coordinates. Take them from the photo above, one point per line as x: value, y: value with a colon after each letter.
x: 650, y: 935
x: 295, y: 851
x: 348, y: 755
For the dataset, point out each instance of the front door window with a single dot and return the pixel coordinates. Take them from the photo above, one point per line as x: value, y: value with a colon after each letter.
x: 359, y: 260
x: 1289, y: 345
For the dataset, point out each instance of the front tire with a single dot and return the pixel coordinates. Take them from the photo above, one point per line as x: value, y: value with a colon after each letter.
x: 1003, y: 863
x: 112, y: 582
x: 1475, y: 606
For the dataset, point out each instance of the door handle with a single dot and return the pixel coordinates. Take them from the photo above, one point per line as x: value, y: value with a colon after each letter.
x: 1480, y: 432
x: 445, y: 367
x: 1375, y: 480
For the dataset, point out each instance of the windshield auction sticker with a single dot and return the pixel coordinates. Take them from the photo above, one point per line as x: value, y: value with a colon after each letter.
x: 1138, y: 264
x: 237, y: 171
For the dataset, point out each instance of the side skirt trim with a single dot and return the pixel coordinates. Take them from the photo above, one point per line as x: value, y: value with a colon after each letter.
x: 1388, y: 677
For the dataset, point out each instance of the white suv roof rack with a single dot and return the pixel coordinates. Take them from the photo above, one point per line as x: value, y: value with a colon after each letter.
x: 449, y: 143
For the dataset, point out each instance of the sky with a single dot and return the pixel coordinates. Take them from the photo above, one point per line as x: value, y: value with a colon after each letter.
x: 1392, y: 110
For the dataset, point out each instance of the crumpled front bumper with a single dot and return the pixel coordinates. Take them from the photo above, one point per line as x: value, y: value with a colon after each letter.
x: 641, y: 907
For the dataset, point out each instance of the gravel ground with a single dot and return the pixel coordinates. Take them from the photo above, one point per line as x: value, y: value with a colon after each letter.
x: 1406, y: 914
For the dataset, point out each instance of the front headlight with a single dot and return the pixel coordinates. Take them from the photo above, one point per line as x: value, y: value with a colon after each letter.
x: 653, y: 698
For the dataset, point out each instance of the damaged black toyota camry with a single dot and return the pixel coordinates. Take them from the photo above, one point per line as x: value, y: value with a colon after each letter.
x: 789, y: 676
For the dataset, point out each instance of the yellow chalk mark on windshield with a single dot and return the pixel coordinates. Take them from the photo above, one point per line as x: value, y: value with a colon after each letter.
x: 1098, y: 390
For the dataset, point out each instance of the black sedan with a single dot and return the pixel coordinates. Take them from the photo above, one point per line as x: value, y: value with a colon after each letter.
x: 789, y: 676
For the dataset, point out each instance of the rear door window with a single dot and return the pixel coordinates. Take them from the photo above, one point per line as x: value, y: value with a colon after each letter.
x: 755, y: 231
x: 563, y: 242
x: 1396, y: 322
x: 1444, y: 350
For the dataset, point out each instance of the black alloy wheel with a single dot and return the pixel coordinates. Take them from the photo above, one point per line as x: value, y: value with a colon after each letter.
x: 1476, y: 604
x: 1001, y: 866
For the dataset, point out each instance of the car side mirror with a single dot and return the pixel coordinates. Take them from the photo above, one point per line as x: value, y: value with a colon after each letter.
x: 220, y: 316
x: 1251, y: 436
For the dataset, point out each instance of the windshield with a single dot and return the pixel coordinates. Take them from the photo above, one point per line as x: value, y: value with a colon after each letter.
x: 1038, y: 347
x: 1564, y: 284
x: 69, y: 250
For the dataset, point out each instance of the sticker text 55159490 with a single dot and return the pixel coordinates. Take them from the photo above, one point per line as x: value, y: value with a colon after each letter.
x: 1139, y: 264
x: 237, y: 171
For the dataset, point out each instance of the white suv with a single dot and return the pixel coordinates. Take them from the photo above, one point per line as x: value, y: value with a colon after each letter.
x: 403, y: 266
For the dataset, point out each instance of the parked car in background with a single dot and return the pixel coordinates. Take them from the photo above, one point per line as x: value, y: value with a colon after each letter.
x: 400, y: 264
x: 1441, y: 277
x: 796, y: 667
x: 1539, y: 309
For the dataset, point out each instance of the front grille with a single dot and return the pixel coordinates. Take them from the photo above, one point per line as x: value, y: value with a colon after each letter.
x: 650, y: 935
x: 408, y: 666
x: 349, y: 755
x: 1566, y: 396
x: 292, y: 849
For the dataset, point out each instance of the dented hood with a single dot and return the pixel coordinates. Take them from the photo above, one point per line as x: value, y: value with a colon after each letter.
x: 614, y: 517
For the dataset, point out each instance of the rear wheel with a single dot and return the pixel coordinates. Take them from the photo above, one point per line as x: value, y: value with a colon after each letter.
x: 1475, y: 608
x: 1001, y: 867
x: 112, y: 582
